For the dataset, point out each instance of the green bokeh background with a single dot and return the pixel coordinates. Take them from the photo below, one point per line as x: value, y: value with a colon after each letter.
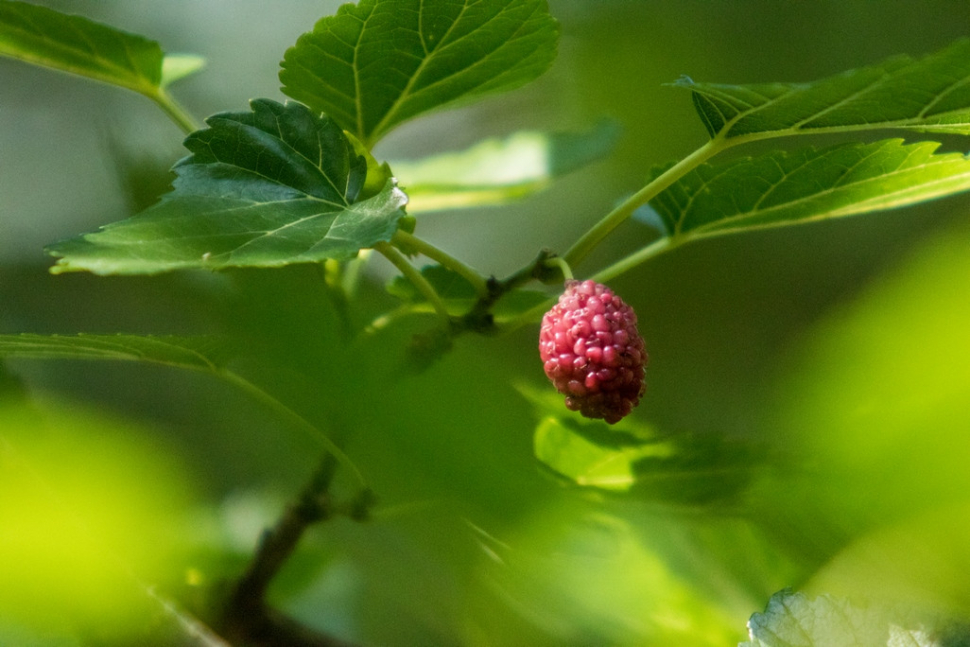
x: 838, y: 349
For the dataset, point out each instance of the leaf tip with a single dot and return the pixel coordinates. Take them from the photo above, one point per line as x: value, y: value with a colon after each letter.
x: 683, y: 82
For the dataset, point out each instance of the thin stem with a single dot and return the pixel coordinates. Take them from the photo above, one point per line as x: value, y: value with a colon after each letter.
x: 333, y: 288
x: 404, y: 239
x: 620, y: 214
x: 175, y: 112
x: 296, y: 420
x: 383, y: 321
x: 278, y: 543
x: 557, y: 261
x: 627, y: 263
x: 532, y: 314
x: 399, y: 261
x: 246, y: 618
x: 353, y: 270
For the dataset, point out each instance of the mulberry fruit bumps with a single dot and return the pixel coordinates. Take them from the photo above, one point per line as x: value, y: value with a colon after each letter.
x: 592, y: 352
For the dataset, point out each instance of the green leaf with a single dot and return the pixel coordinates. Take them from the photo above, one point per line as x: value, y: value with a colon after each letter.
x: 560, y: 444
x: 266, y: 188
x: 179, y: 66
x: 77, y: 45
x: 497, y: 171
x: 378, y: 174
x: 681, y: 469
x: 378, y: 63
x: 635, y: 458
x: 931, y: 94
x: 795, y: 620
x: 782, y: 188
x: 199, y: 353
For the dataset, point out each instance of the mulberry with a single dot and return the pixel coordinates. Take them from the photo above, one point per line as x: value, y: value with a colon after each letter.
x: 592, y: 351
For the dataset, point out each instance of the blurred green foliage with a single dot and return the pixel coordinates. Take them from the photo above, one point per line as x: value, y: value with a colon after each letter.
x: 839, y: 350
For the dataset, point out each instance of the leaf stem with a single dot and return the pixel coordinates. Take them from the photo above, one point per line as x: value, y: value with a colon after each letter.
x: 404, y: 239
x: 400, y: 261
x: 627, y: 263
x: 620, y: 214
x: 296, y: 420
x: 175, y: 112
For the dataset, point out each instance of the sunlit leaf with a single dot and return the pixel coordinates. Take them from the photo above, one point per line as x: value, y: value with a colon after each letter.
x: 179, y: 66
x: 680, y: 468
x: 782, y: 188
x: 683, y: 468
x: 560, y: 447
x: 266, y: 188
x: 75, y: 44
x: 796, y: 620
x: 496, y: 171
x: 931, y: 94
x: 378, y: 63
x: 200, y: 353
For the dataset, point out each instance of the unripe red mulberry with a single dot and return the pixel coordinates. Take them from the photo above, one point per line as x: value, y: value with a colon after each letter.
x: 592, y: 351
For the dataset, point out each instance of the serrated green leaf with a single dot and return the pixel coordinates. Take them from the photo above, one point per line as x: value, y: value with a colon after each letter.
x: 378, y: 63
x: 497, y: 171
x: 782, y: 188
x: 77, y: 45
x: 266, y: 188
x: 931, y: 94
x: 199, y: 353
x: 792, y: 619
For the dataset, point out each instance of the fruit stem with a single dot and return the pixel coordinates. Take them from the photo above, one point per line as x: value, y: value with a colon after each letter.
x: 595, y: 235
x: 560, y: 262
x: 400, y: 261
x: 412, y: 242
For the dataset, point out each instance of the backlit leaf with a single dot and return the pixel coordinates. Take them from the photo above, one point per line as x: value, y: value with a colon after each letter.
x: 559, y: 445
x: 782, y: 188
x: 496, y: 171
x: 179, y: 66
x: 796, y: 620
x: 378, y: 63
x: 200, y: 353
x: 75, y: 44
x: 265, y: 188
x: 680, y: 468
x: 931, y: 94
